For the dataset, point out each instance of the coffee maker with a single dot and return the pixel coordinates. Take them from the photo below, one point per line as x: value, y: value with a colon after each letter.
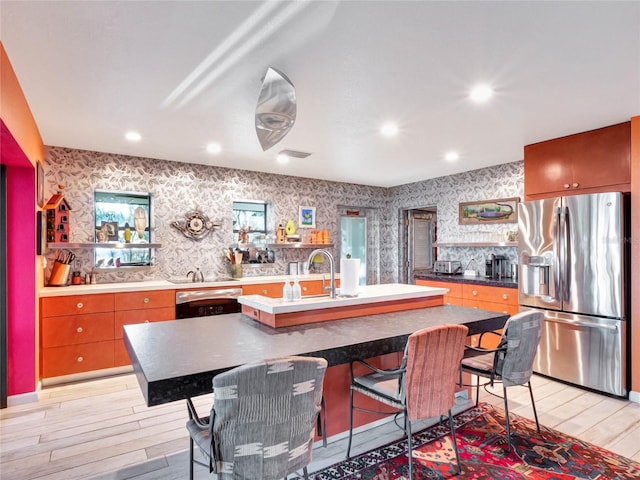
x: 497, y: 267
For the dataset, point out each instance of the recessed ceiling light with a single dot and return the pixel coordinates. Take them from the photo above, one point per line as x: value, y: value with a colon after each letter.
x: 133, y: 136
x: 452, y: 156
x: 214, y: 148
x: 481, y: 93
x: 282, y: 158
x: 389, y: 129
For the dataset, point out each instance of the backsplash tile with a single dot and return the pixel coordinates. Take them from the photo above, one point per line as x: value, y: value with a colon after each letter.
x: 179, y: 187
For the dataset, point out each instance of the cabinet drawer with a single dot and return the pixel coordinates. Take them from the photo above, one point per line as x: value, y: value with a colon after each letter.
x: 148, y: 299
x: 141, y: 316
x: 491, y: 306
x: 75, y: 329
x: 273, y: 290
x: 314, y: 287
x: 120, y: 355
x: 75, y: 304
x: 455, y: 289
x: 69, y: 359
x: 507, y: 296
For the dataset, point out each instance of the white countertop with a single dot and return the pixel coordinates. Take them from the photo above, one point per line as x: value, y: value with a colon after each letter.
x: 167, y: 285
x: 366, y: 294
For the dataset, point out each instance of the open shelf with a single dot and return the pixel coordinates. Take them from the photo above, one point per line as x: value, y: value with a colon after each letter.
x: 476, y: 244
x: 103, y: 245
x: 300, y: 245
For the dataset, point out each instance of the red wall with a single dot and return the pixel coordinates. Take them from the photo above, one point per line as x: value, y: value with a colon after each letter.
x: 21, y: 147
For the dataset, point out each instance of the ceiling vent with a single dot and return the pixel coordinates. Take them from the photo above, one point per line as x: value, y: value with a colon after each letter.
x: 294, y: 154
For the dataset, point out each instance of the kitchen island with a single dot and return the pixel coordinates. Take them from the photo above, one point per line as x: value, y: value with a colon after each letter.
x: 177, y: 359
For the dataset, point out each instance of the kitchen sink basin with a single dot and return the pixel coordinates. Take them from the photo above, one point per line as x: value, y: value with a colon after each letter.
x: 183, y: 280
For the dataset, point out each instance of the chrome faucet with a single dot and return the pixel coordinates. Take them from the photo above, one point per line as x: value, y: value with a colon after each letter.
x: 197, y: 276
x: 332, y: 285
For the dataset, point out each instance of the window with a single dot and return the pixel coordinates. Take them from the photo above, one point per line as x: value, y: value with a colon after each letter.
x: 123, y: 218
x: 252, y: 215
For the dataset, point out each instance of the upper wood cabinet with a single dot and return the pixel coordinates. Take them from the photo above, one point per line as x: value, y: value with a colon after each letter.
x: 589, y: 162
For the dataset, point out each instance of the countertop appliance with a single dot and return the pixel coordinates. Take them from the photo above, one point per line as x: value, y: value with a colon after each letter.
x: 450, y: 267
x: 573, y: 267
x: 202, y: 303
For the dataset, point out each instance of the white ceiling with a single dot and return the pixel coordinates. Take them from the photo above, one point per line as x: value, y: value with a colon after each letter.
x: 184, y: 74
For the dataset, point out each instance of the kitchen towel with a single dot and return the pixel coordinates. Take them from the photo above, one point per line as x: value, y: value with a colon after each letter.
x: 349, y: 276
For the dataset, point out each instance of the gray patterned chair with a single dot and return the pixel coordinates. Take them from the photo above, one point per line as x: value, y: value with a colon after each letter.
x: 511, y: 362
x: 262, y: 421
x: 422, y: 387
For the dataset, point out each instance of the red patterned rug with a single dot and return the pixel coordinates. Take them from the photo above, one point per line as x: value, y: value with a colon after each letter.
x: 480, y: 432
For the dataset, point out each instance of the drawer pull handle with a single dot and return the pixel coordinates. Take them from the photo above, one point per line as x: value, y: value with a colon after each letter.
x: 80, y: 305
x: 264, y: 292
x: 146, y: 300
x: 79, y: 330
x: 505, y: 296
x: 575, y: 185
x: 475, y: 292
x: 566, y: 185
x: 146, y: 321
x: 80, y: 359
x: 504, y: 311
x: 304, y: 289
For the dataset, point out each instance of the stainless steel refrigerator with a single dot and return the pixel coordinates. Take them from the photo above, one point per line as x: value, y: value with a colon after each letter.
x: 572, y: 267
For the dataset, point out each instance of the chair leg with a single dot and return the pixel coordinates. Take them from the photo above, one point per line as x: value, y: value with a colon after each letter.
x: 477, y: 389
x: 533, y: 405
x: 409, y: 453
x: 306, y: 473
x: 506, y: 416
x: 350, y: 423
x: 455, y: 444
x: 190, y: 458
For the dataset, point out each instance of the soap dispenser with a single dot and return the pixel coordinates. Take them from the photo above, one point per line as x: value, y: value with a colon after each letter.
x: 297, y: 291
x: 287, y: 292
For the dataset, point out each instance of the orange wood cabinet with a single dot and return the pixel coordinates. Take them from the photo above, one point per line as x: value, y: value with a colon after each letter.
x: 76, y: 334
x: 588, y: 162
x: 453, y: 297
x: 139, y: 307
x: 484, y: 297
x: 272, y: 290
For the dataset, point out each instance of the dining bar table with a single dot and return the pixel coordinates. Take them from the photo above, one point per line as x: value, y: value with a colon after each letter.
x: 177, y: 359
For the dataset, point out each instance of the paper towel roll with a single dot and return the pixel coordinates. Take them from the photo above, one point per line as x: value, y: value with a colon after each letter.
x: 349, y: 276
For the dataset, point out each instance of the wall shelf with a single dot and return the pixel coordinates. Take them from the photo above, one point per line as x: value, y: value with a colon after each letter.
x: 300, y: 245
x: 103, y: 245
x: 476, y: 244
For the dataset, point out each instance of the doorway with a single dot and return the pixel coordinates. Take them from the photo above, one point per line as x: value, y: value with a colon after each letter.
x: 359, y: 238
x: 419, y: 233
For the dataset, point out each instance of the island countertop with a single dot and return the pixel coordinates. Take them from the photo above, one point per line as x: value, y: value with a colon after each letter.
x: 367, y: 294
x: 177, y: 359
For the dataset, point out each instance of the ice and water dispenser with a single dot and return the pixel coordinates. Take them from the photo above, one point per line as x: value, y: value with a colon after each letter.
x: 536, y: 275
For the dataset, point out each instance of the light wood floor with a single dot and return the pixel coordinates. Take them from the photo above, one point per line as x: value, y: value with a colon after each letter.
x: 95, y: 428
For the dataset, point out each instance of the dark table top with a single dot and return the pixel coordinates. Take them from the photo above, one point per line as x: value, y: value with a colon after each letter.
x: 442, y: 277
x: 177, y: 359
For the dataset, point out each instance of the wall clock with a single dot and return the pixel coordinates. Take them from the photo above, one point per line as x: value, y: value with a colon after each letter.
x: 196, y: 225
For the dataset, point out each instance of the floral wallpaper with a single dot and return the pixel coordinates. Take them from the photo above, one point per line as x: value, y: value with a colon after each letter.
x: 179, y: 187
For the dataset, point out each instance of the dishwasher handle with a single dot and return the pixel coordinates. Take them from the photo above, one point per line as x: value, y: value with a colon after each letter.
x: 191, y: 296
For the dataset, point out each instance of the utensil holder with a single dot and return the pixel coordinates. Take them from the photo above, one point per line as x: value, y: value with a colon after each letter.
x: 59, y: 274
x: 236, y: 270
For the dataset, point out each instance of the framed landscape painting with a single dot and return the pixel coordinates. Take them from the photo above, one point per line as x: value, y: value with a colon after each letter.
x: 502, y: 210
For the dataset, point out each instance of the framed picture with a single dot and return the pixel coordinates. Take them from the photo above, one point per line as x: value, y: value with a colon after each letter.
x: 41, y: 232
x: 40, y: 184
x: 307, y: 217
x: 502, y: 210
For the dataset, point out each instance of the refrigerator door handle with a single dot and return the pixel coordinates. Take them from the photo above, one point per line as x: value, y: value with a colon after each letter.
x: 583, y: 324
x: 566, y: 253
x: 557, y: 285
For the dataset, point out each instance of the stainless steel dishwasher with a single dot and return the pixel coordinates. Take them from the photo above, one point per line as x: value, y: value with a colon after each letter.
x: 202, y: 303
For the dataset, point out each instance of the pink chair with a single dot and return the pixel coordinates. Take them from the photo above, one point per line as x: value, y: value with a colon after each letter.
x: 423, y: 386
